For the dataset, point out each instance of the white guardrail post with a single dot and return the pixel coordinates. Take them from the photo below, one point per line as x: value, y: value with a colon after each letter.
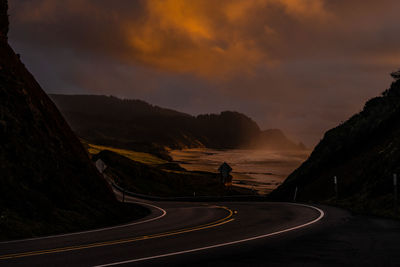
x: 295, y: 194
x: 395, y: 191
x: 335, y: 183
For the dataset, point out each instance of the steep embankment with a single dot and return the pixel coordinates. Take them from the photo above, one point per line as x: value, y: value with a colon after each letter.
x: 363, y: 152
x: 47, y: 182
x: 138, y: 125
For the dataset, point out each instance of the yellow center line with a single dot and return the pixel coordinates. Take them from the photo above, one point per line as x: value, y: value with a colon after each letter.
x: 222, y: 221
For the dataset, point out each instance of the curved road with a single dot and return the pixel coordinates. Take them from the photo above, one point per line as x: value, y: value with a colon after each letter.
x: 174, y: 232
x: 221, y: 234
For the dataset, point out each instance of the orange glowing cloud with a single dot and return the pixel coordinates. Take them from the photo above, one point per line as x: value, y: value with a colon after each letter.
x: 211, y: 40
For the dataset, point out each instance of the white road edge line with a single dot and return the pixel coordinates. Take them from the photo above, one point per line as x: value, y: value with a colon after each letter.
x: 163, y: 213
x: 321, y: 215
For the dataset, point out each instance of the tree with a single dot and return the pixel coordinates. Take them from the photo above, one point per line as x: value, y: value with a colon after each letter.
x: 395, y: 75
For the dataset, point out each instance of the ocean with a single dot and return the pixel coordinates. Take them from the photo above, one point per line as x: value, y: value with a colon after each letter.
x: 259, y: 170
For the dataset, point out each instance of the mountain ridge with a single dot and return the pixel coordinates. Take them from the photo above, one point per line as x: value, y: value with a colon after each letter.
x: 149, y: 124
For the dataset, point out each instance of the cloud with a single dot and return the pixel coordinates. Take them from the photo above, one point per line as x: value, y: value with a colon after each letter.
x: 211, y: 39
x: 301, y: 65
x: 215, y: 40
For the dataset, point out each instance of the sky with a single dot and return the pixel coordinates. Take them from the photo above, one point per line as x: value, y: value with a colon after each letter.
x: 303, y: 66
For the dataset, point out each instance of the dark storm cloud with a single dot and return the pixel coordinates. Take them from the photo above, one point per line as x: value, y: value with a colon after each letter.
x: 300, y: 65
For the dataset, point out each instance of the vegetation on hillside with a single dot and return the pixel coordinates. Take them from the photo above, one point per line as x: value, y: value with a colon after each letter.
x: 363, y: 152
x: 141, y: 157
x: 134, y: 124
x: 3, y: 19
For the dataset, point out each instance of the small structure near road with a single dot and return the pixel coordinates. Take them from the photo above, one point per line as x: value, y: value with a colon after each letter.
x: 225, y: 170
x: 100, y: 165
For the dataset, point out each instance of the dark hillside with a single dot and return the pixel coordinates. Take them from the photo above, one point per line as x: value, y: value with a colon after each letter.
x: 47, y: 183
x: 363, y: 152
x: 226, y: 130
x: 131, y: 124
x: 3, y: 19
x: 136, y: 125
x: 110, y: 107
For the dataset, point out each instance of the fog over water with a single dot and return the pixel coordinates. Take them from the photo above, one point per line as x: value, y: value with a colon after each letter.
x: 261, y: 170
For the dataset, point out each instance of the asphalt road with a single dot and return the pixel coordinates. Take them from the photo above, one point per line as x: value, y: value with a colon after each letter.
x: 221, y: 234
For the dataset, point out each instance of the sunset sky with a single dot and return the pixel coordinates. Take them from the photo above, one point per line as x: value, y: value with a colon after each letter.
x: 299, y: 65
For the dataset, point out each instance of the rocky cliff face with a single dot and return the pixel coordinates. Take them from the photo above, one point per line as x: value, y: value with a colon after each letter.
x: 47, y: 182
x: 363, y: 153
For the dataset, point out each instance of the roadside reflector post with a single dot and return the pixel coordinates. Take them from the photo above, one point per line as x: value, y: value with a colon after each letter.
x: 395, y: 191
x: 295, y: 194
x: 194, y: 194
x: 123, y: 195
x: 335, y: 182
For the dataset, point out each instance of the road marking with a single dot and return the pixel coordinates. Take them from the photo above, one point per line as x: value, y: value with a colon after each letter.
x: 321, y: 215
x: 219, y: 222
x: 163, y: 213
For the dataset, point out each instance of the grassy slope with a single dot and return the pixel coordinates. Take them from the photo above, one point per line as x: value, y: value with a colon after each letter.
x: 146, y: 174
x: 141, y: 157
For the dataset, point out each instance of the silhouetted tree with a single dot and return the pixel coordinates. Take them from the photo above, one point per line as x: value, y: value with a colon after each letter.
x: 395, y: 75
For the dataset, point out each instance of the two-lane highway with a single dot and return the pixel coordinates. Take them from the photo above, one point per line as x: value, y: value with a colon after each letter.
x: 173, y: 229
